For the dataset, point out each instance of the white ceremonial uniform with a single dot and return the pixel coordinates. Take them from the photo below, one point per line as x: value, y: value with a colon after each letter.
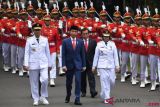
x: 106, y: 60
x: 37, y: 58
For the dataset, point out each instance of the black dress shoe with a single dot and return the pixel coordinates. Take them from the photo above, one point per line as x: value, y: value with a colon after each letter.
x: 62, y: 74
x: 67, y: 99
x: 94, y: 94
x: 77, y: 103
x: 52, y: 85
x: 83, y: 95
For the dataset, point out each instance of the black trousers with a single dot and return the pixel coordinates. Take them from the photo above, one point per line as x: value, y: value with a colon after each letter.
x: 91, y: 80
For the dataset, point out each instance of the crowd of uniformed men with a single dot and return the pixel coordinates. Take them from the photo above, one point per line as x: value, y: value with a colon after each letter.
x: 137, y: 38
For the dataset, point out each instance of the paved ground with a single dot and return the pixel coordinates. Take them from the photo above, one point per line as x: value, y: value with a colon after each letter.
x: 15, y: 92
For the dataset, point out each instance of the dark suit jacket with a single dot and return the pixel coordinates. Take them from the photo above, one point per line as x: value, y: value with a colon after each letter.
x: 73, y: 58
x: 90, y: 53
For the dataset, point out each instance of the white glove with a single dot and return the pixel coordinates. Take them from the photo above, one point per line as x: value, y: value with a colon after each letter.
x: 151, y: 42
x: 90, y: 28
x: 82, y: 27
x: 2, y: 30
x: 122, y: 23
x: 64, y: 35
x: 36, y: 17
x: 60, y: 23
x: 96, y: 19
x: 114, y: 30
x: 29, y: 24
x: 157, y: 34
x: 123, y: 35
x: 103, y: 26
x: 20, y: 35
x: 14, y: 28
x: 142, y: 43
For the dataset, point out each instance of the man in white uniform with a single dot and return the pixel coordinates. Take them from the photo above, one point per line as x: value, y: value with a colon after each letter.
x: 37, y: 62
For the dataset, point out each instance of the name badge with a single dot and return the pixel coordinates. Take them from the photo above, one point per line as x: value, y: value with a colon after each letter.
x: 33, y: 47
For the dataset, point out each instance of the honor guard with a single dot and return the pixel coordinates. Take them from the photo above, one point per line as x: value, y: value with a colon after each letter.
x: 134, y: 49
x: 144, y: 48
x: 53, y: 38
x: 31, y: 12
x: 125, y: 45
x: 116, y: 30
x: 39, y: 18
x: 23, y: 30
x: 6, y: 25
x: 14, y: 39
x: 152, y: 39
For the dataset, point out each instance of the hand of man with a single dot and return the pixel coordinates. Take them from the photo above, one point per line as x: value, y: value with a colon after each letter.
x: 26, y: 68
x: 114, y: 30
x: 84, y: 68
x: 117, y: 69
x: 64, y: 68
x: 93, y: 69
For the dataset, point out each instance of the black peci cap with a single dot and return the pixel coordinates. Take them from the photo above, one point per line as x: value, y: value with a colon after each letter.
x: 74, y: 28
x: 37, y: 26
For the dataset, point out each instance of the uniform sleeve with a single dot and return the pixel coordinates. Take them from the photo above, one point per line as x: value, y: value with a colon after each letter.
x: 147, y: 36
x: 58, y: 42
x: 132, y: 34
x: 158, y: 40
x: 48, y: 53
x: 26, y: 54
x: 96, y: 57
x: 18, y: 28
x: 115, y: 53
x: 133, y: 38
x: 63, y: 54
x: 1, y: 25
x: 139, y: 35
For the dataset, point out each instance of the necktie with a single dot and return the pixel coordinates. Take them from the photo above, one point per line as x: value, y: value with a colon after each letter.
x: 106, y: 43
x: 74, y: 43
x: 38, y: 40
x: 86, y: 45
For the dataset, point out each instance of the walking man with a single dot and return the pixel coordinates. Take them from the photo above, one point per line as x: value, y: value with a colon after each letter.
x: 36, y: 61
x: 73, y: 62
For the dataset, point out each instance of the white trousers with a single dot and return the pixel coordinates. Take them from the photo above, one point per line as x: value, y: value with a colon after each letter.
x: 143, y: 63
x: 13, y: 56
x: 34, y: 77
x: 20, y: 61
x: 159, y: 68
x: 53, y: 64
x: 107, y: 80
x: 6, y: 50
x: 60, y: 58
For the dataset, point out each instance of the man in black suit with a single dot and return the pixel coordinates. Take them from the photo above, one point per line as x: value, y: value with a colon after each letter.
x: 90, y: 46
